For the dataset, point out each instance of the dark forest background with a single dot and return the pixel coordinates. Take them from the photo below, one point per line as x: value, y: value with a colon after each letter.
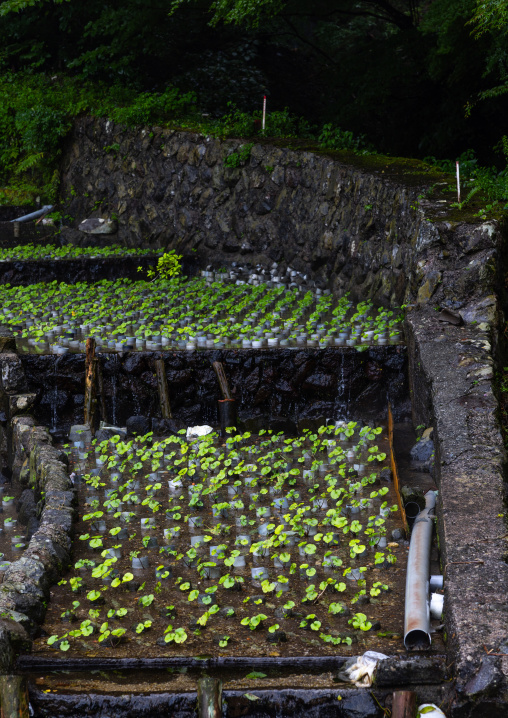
x: 420, y: 79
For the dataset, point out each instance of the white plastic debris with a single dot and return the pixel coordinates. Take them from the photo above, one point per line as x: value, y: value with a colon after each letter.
x: 120, y: 430
x: 360, y: 670
x: 80, y: 432
x: 429, y: 710
x: 194, y: 432
x: 436, y: 605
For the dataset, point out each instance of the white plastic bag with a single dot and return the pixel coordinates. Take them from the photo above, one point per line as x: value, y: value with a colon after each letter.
x: 429, y: 710
x: 360, y: 670
x: 194, y: 432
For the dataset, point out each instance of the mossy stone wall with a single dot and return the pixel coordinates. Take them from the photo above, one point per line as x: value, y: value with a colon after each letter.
x: 358, y: 224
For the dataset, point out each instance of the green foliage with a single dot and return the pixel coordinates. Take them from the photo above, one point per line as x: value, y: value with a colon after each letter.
x: 240, y: 158
x: 168, y: 266
x: 491, y: 182
x: 237, y: 123
x: 150, y: 108
x: 68, y: 251
x: 359, y: 621
x: 334, y: 138
x: 36, y: 114
x: 365, y: 66
x: 40, y: 128
x: 489, y: 16
x: 239, y: 12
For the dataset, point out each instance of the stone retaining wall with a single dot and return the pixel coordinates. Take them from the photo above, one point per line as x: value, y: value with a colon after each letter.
x: 282, y: 388
x: 71, y: 271
x: 358, y: 224
x: 45, y: 507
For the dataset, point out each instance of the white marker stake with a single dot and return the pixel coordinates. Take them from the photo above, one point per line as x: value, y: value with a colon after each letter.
x: 458, y: 183
x: 264, y: 114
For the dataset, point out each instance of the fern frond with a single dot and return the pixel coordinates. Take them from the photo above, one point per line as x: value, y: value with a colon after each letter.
x: 29, y: 162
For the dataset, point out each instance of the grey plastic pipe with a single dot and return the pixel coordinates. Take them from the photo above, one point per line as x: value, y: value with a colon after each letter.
x: 33, y: 215
x: 416, y: 614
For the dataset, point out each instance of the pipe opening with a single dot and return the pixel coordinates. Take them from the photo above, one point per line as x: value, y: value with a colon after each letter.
x: 412, y: 510
x: 227, y: 415
x: 417, y: 640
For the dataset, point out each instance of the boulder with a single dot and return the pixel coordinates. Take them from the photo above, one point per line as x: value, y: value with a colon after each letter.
x: 139, y: 425
x: 167, y: 426
x: 422, y: 450
x: 97, y: 225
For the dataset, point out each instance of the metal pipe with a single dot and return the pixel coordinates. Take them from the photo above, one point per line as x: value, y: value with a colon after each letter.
x: 33, y: 215
x: 416, y: 615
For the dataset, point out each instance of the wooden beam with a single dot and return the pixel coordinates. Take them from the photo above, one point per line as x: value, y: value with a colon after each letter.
x: 222, y: 379
x: 90, y: 383
x: 404, y: 704
x: 14, y: 697
x: 395, y: 473
x: 162, y: 385
x: 209, y: 697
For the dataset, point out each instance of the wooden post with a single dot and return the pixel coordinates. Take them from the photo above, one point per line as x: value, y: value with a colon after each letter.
x: 222, y: 379
x: 100, y: 387
x: 14, y: 697
x: 162, y: 385
x: 404, y: 704
x: 90, y: 395
x: 209, y: 697
x: 393, y: 463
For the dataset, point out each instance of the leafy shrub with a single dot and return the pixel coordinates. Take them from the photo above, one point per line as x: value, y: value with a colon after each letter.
x: 151, y: 108
x: 491, y: 181
x: 41, y: 128
x: 334, y: 138
x: 168, y: 266
x: 280, y: 123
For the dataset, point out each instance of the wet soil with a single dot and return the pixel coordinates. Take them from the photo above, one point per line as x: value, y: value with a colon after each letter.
x: 384, y: 611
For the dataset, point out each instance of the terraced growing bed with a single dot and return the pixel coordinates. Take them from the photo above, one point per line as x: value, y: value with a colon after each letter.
x: 33, y: 252
x: 249, y: 545
x: 190, y: 314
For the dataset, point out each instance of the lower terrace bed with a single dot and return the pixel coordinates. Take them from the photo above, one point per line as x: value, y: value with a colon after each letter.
x: 252, y: 545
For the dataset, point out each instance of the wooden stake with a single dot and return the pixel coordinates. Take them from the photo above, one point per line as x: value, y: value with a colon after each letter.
x: 13, y: 697
x: 162, y: 385
x: 395, y: 473
x: 90, y: 370
x: 404, y: 704
x: 209, y: 697
x: 222, y: 379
